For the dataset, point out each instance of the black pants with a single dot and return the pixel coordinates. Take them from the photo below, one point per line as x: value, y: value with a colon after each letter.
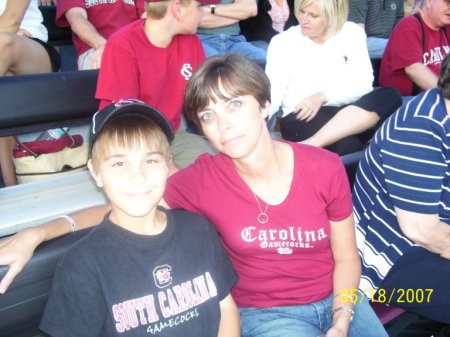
x: 409, y: 279
x: 383, y: 101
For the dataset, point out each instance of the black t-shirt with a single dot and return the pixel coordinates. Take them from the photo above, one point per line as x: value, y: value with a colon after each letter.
x: 117, y: 283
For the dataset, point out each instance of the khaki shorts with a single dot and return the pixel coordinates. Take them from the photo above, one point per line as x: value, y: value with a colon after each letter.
x: 85, y: 60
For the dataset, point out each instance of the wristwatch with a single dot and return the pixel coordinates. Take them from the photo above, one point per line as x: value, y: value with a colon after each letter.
x: 212, y: 9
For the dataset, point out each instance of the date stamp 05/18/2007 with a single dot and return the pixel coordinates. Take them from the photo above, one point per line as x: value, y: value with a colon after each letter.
x: 396, y: 295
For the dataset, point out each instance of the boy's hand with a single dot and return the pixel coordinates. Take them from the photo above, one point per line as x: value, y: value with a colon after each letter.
x: 16, y: 251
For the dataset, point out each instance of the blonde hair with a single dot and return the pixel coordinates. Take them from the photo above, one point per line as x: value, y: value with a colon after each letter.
x: 157, y: 10
x: 334, y: 12
x: 129, y: 132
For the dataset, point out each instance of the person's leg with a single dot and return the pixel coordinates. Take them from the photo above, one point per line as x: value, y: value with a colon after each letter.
x: 365, y: 322
x: 419, y: 282
x: 365, y: 113
x: 21, y: 55
x: 84, y: 61
x: 238, y: 45
x: 376, y: 47
x: 296, y: 130
x: 286, y: 321
x: 212, y: 44
x: 186, y: 147
x: 7, y: 145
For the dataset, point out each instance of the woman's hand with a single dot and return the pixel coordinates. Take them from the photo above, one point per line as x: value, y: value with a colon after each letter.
x: 16, y: 251
x: 308, y: 107
x: 335, y: 332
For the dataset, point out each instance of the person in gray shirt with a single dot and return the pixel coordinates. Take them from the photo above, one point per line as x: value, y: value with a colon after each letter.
x: 377, y: 18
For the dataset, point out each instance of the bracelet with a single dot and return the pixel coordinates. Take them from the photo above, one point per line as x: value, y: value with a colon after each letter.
x: 73, y: 224
x: 344, y: 309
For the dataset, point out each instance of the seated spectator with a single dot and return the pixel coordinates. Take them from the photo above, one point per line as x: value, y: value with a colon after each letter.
x: 283, y: 211
x: 220, y: 33
x: 151, y: 60
x: 23, y: 50
x: 324, y: 83
x: 401, y: 203
x: 377, y: 18
x: 92, y: 22
x: 274, y: 16
x: 415, y: 50
x: 141, y: 253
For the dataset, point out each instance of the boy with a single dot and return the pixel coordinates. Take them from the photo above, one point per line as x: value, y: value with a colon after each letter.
x: 152, y: 60
x: 144, y: 270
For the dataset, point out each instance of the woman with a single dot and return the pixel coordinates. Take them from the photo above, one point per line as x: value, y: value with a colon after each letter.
x: 23, y: 50
x: 324, y: 83
x: 402, y: 204
x: 283, y: 211
x: 274, y: 16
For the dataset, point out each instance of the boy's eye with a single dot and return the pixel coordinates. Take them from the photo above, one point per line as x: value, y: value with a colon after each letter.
x: 118, y: 164
x: 152, y: 161
x: 205, y: 117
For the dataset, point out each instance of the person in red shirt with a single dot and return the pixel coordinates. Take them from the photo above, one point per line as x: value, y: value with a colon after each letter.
x: 415, y: 50
x: 92, y: 22
x: 283, y: 211
x: 151, y: 60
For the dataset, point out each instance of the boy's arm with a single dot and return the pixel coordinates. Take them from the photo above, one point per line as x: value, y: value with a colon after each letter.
x: 13, y: 15
x: 80, y: 25
x: 227, y: 14
x: 229, y: 318
x: 18, y: 249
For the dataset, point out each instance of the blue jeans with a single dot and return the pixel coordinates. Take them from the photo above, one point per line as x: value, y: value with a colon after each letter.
x: 309, y: 320
x: 221, y: 44
x: 376, y: 46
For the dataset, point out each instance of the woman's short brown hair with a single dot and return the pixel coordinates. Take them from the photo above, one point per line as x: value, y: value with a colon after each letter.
x: 236, y: 74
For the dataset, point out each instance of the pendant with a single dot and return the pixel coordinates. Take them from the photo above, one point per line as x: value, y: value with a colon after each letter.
x: 263, y: 218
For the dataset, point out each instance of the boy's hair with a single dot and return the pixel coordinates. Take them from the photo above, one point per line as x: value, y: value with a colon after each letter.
x: 444, y: 77
x: 129, y: 132
x: 334, y: 12
x: 221, y: 76
x: 157, y: 10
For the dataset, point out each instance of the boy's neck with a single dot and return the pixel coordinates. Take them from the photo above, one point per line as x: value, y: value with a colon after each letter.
x: 153, y: 223
x: 159, y: 32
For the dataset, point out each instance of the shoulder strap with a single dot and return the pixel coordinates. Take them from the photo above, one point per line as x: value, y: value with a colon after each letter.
x: 415, y: 88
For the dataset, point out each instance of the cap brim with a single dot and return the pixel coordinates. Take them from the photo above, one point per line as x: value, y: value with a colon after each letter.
x: 116, y: 110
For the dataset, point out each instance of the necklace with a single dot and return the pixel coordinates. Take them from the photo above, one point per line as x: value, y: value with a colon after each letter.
x: 262, y: 216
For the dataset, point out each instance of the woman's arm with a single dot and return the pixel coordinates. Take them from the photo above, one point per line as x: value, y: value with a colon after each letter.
x: 18, y: 249
x: 426, y: 230
x: 13, y: 15
x: 229, y: 318
x: 346, y: 275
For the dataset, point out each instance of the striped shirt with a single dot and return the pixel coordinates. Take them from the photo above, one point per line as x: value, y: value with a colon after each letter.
x: 406, y: 166
x: 378, y: 16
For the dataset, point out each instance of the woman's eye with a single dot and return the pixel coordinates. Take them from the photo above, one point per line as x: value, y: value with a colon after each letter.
x: 205, y: 117
x: 235, y: 104
x: 152, y: 161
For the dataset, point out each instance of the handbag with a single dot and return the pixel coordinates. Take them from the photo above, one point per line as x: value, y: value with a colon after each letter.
x: 44, y: 159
